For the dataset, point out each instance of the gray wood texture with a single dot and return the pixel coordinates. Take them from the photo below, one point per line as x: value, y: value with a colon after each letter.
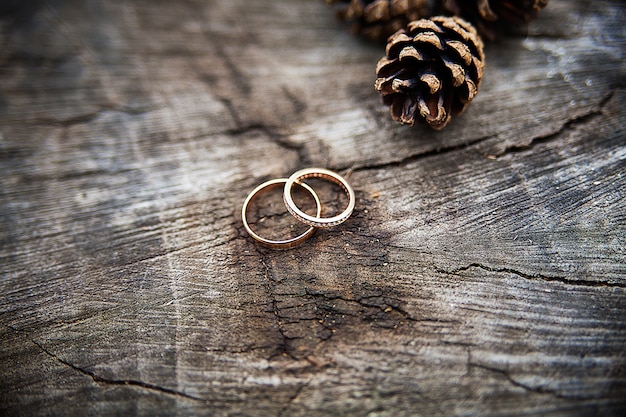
x: 482, y: 273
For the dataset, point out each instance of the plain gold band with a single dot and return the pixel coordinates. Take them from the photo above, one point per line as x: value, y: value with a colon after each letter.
x: 321, y: 222
x: 278, y: 244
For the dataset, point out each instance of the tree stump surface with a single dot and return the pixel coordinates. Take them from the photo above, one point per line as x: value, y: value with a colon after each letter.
x: 483, y: 271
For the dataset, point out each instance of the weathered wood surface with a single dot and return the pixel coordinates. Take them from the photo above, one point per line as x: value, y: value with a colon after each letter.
x: 483, y: 272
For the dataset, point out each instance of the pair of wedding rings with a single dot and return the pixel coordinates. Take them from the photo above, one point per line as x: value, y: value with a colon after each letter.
x: 314, y: 222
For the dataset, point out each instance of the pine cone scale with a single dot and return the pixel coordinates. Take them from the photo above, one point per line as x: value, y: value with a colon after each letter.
x: 408, y: 110
x: 377, y: 11
x: 423, y: 24
x: 433, y: 110
x: 457, y: 72
x: 431, y: 81
x: 485, y: 11
x: 462, y: 50
x: 430, y: 38
x: 397, y: 42
x: 410, y: 52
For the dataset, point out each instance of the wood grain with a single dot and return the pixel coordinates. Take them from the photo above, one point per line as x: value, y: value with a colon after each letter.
x: 482, y: 273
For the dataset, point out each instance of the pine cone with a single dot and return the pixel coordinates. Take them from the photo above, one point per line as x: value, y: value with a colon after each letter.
x: 378, y: 19
x: 431, y: 71
x: 492, y: 17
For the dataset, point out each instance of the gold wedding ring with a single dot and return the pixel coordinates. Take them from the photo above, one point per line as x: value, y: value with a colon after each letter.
x: 278, y: 244
x: 317, y: 221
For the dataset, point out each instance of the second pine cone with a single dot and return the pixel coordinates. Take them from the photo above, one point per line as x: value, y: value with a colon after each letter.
x: 493, y: 17
x: 377, y: 19
x: 431, y: 71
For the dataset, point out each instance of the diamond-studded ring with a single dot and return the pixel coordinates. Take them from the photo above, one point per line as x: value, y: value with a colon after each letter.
x: 318, y: 222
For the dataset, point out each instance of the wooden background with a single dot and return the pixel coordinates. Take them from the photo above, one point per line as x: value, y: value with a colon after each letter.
x: 482, y: 273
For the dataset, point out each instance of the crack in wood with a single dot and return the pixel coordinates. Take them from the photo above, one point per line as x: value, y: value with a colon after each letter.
x: 548, y: 278
x: 570, y: 124
x: 416, y: 157
x: 271, y: 132
x: 299, y: 106
x: 88, y: 117
x: 283, y: 345
x: 239, y: 80
x: 228, y: 103
x: 539, y: 390
x: 514, y: 382
x: 535, y: 389
x: 123, y: 382
x: 294, y: 397
x: 388, y: 305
